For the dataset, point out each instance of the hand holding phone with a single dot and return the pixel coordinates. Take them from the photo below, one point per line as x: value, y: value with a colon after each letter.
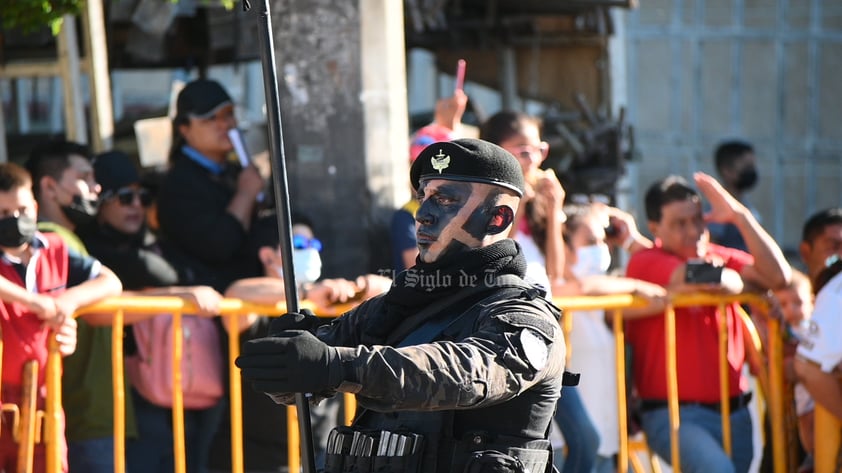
x: 702, y: 272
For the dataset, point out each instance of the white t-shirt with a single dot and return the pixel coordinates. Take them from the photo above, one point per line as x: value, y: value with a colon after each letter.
x: 536, y: 268
x: 821, y: 342
x: 593, y: 355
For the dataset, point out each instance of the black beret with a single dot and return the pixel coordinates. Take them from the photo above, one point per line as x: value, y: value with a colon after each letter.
x: 468, y: 160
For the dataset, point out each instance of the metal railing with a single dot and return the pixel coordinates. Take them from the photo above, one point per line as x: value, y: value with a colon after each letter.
x: 827, y: 444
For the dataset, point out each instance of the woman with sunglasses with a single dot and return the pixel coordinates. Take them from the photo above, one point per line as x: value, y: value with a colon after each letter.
x: 537, y: 228
x: 121, y: 240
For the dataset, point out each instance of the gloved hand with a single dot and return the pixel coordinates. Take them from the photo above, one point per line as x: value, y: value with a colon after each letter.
x: 304, y: 320
x: 293, y: 361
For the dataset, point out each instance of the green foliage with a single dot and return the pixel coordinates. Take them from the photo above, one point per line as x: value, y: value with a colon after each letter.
x: 32, y: 15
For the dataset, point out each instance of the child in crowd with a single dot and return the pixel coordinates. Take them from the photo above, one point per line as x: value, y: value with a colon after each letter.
x: 42, y: 284
x: 796, y: 304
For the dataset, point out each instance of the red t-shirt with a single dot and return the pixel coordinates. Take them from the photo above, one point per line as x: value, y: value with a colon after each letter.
x: 696, y: 331
x: 24, y: 334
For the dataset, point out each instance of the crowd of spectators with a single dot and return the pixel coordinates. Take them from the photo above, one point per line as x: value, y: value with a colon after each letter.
x: 94, y: 238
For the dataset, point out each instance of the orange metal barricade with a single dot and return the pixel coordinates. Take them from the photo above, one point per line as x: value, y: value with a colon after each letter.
x: 828, y: 437
x: 232, y: 309
x: 617, y: 303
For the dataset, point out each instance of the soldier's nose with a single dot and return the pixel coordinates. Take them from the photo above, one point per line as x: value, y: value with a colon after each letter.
x: 424, y: 218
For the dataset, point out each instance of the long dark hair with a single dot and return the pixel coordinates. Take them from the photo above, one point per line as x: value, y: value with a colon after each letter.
x: 178, y: 140
x: 505, y: 124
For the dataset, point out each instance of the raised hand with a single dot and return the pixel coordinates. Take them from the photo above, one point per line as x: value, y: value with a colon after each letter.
x: 724, y: 208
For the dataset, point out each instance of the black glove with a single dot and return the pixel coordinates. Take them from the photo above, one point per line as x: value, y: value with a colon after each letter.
x: 294, y: 361
x: 304, y: 320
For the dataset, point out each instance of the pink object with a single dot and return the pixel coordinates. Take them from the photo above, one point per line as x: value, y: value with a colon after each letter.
x: 460, y: 74
x: 150, y: 371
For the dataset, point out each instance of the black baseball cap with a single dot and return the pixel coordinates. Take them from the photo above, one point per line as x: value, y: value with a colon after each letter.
x: 468, y: 160
x: 113, y: 170
x: 201, y: 99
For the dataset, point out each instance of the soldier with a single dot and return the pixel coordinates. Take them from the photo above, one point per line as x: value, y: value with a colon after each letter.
x: 457, y: 367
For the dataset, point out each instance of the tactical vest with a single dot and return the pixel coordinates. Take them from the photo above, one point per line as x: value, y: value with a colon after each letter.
x: 469, y: 440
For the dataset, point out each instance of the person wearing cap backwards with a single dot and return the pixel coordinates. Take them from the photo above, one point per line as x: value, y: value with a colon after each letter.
x: 206, y: 203
x: 459, y: 365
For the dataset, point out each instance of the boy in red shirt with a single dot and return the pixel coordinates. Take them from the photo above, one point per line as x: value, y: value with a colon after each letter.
x: 42, y: 283
x: 675, y: 219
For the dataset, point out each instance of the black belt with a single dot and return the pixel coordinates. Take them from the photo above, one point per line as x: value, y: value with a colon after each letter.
x: 736, y: 403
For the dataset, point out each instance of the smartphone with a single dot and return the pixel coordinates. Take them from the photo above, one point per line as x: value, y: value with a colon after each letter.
x: 699, y: 271
x: 460, y: 74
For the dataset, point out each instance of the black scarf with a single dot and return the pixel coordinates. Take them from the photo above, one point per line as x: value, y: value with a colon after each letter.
x: 425, y: 283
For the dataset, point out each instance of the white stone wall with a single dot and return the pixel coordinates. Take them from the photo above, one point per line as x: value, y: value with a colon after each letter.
x: 767, y: 71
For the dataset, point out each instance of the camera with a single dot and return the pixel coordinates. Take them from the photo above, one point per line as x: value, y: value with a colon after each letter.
x: 611, y: 230
x: 699, y: 271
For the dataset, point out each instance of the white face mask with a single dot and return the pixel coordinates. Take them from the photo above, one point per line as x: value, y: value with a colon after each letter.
x: 307, y: 265
x: 592, y: 260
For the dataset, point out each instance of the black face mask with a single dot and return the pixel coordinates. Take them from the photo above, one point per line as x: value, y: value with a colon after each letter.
x: 80, y: 212
x: 15, y: 231
x: 746, y: 179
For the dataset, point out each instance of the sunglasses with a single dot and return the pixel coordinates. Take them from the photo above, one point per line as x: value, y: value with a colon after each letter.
x: 127, y: 195
x: 300, y: 242
x: 527, y: 151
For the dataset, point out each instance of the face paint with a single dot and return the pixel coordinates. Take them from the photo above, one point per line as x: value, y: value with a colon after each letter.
x: 453, y: 217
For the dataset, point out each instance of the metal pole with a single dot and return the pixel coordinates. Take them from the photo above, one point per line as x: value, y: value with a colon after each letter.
x: 279, y: 181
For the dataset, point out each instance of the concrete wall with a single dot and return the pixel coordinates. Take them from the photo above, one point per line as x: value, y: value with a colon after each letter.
x: 767, y: 71
x: 341, y: 75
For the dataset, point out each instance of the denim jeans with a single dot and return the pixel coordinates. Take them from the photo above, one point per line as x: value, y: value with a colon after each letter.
x: 91, y: 456
x: 579, y: 433
x: 700, y: 439
x: 152, y: 451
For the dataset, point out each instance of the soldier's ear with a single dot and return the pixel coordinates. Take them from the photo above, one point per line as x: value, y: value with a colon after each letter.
x: 501, y: 217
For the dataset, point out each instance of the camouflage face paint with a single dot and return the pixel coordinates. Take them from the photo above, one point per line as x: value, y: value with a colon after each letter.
x: 453, y: 217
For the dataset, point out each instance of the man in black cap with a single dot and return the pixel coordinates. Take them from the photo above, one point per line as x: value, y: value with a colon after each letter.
x: 207, y: 202
x: 457, y: 367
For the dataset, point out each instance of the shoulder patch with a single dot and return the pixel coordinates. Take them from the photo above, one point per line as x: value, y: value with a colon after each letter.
x: 528, y: 320
x: 535, y: 348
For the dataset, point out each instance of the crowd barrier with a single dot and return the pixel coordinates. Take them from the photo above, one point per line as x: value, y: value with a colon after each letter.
x: 771, y: 379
